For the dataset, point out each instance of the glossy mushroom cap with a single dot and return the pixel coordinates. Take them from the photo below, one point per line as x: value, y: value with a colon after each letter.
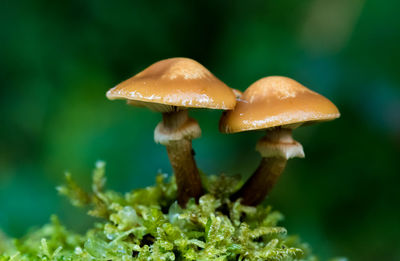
x: 171, y: 84
x: 277, y: 101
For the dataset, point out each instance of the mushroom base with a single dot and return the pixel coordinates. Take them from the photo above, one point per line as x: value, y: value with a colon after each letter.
x: 261, y: 182
x: 187, y: 176
x: 276, y: 147
x: 176, y: 132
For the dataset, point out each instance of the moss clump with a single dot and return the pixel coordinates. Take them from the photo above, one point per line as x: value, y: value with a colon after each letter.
x: 148, y: 224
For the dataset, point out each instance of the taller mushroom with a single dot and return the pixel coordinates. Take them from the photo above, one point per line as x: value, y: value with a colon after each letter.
x: 277, y: 105
x: 171, y: 87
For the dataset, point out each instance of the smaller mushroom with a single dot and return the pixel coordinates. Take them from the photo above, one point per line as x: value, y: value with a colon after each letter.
x: 171, y: 87
x: 277, y: 105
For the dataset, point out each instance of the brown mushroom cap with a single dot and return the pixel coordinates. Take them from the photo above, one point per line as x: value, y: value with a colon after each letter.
x: 277, y: 101
x: 175, y: 82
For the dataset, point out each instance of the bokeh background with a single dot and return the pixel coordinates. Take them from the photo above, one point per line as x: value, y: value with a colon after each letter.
x: 58, y: 58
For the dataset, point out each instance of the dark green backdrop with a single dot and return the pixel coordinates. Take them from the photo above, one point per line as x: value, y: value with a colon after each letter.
x: 58, y: 58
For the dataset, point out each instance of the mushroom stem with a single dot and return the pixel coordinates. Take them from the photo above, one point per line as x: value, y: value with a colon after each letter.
x: 276, y: 147
x: 175, y: 119
x: 180, y: 154
x: 261, y: 182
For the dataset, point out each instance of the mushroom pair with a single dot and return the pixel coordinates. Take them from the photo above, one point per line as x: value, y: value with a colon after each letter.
x: 171, y: 87
x: 277, y: 105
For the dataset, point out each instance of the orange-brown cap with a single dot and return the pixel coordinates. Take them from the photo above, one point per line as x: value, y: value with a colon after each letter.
x: 175, y: 82
x: 277, y: 101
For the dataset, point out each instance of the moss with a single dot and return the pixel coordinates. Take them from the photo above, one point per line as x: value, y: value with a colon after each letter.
x: 148, y: 224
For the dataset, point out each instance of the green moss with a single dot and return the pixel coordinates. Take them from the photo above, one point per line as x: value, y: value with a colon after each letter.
x: 148, y: 224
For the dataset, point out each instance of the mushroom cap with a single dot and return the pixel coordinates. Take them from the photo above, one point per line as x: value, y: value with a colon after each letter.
x: 277, y: 101
x: 175, y: 82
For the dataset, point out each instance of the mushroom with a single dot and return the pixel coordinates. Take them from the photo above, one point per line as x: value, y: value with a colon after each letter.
x: 277, y: 105
x: 171, y: 87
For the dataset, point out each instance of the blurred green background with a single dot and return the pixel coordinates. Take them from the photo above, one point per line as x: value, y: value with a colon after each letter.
x: 58, y: 58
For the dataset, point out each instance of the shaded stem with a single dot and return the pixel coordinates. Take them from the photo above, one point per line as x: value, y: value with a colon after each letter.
x: 180, y: 154
x: 261, y: 182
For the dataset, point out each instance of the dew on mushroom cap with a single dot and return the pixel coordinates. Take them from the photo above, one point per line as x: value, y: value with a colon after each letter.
x: 180, y: 82
x: 277, y: 101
